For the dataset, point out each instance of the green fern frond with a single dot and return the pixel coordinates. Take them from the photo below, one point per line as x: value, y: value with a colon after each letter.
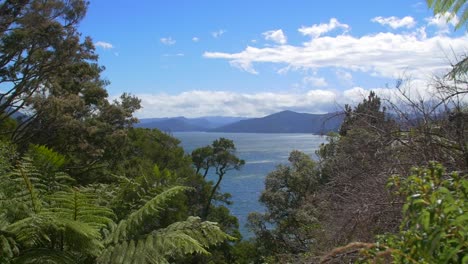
x: 25, y: 185
x: 204, y: 233
x: 129, y: 227
x: 45, y: 255
x: 78, y: 206
x: 454, y: 7
x: 175, y: 241
x: 45, y: 158
x: 49, y: 164
x: 8, y: 246
x: 46, y: 229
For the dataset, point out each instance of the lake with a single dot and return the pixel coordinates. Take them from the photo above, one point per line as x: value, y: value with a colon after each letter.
x: 262, y: 153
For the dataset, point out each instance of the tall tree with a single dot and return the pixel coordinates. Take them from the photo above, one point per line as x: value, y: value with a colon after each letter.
x: 220, y: 156
x: 37, y: 38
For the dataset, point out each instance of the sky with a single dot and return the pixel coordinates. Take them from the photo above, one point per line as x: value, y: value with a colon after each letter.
x: 254, y: 58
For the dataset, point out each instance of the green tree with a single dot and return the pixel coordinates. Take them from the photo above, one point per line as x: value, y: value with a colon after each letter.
x: 223, y: 159
x: 37, y: 38
x: 290, y: 225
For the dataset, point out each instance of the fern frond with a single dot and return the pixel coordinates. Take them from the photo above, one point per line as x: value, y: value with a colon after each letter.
x: 43, y: 229
x: 25, y: 185
x: 49, y: 164
x: 78, y: 206
x: 175, y: 241
x: 45, y: 255
x: 8, y: 246
x: 130, y: 226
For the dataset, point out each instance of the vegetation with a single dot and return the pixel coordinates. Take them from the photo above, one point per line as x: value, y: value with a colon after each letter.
x: 80, y: 184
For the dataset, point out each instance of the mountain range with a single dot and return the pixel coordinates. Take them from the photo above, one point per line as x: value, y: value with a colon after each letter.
x: 281, y: 122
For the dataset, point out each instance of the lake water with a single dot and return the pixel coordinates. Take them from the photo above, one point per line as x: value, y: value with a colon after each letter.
x: 262, y: 153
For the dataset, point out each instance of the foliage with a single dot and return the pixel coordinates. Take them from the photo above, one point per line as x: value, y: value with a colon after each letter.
x: 290, y: 224
x: 454, y: 7
x: 434, y: 224
x: 131, y: 242
x: 221, y: 156
x: 67, y: 223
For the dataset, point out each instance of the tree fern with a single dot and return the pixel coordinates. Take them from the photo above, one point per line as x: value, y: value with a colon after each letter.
x: 129, y: 244
x: 77, y: 206
x: 49, y: 164
x: 68, y: 223
x: 129, y: 227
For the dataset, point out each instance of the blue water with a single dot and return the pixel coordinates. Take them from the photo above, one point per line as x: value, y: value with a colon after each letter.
x: 262, y: 153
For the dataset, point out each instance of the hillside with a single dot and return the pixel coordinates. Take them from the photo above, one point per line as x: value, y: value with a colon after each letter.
x: 183, y: 124
x: 286, y: 122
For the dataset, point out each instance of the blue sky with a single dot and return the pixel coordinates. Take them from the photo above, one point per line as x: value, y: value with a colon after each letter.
x: 253, y: 58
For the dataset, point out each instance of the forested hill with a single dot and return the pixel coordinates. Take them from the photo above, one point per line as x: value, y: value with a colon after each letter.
x: 286, y: 122
x: 282, y: 122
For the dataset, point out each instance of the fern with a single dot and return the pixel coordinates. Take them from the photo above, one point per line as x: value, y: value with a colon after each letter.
x: 49, y: 164
x: 134, y: 222
x: 67, y: 221
x: 187, y: 237
x: 127, y: 244
x: 46, y: 255
x: 77, y: 206
x: 23, y: 186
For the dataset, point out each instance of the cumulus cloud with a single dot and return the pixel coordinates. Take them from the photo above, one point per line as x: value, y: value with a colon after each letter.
x: 316, y: 31
x: 218, y: 33
x: 167, y: 41
x: 395, y: 22
x: 198, y: 103
x: 104, y: 45
x: 384, y: 54
x: 442, y: 22
x: 275, y: 36
x: 195, y: 39
x: 206, y: 103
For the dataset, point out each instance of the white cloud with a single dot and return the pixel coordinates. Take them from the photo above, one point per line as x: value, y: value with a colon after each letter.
x: 167, y: 41
x: 442, y: 22
x: 315, y: 81
x: 316, y: 31
x: 383, y: 54
x: 275, y: 36
x: 219, y: 33
x: 104, y: 45
x: 395, y: 22
x: 198, y: 103
x: 206, y: 103
x: 195, y: 39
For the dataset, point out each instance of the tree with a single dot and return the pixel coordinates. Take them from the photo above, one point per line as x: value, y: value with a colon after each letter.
x: 223, y: 159
x: 202, y: 159
x: 37, y: 38
x: 69, y: 224
x: 290, y: 225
